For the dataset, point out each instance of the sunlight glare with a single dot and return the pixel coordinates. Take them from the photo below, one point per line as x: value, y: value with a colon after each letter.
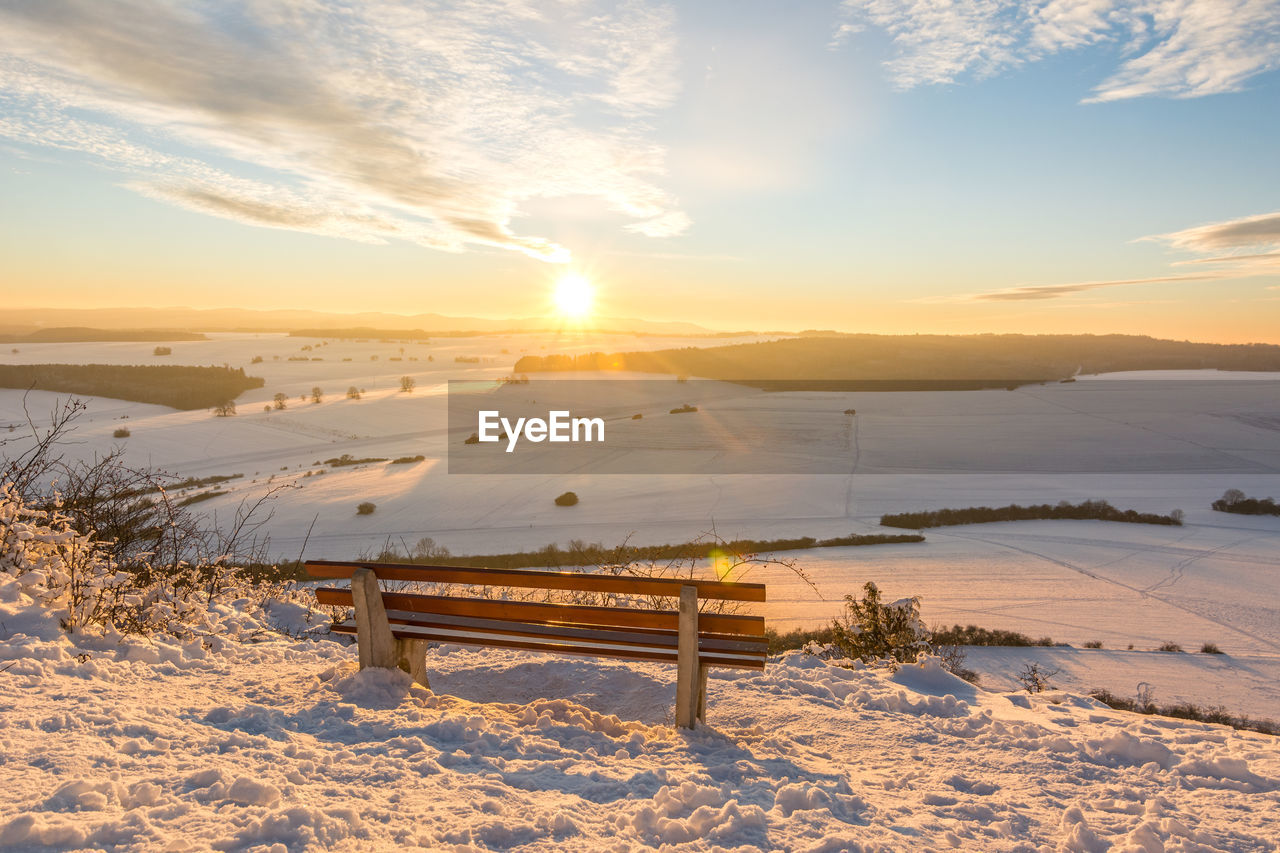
x: 572, y: 296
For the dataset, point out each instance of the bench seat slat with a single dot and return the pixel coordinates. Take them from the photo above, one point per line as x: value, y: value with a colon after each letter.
x: 472, y: 638
x: 532, y: 578
x: 727, y: 626
x: 570, y: 631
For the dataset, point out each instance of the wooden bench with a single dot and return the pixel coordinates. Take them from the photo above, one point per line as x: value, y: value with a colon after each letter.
x: 394, y: 628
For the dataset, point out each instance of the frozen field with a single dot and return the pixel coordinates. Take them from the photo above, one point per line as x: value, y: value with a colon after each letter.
x: 1148, y: 441
x: 279, y: 744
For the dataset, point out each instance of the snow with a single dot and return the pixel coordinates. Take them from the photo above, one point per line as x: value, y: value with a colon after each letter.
x: 1138, y: 440
x: 1147, y: 443
x: 1182, y: 376
x: 1243, y: 684
x: 240, y: 738
x: 283, y: 742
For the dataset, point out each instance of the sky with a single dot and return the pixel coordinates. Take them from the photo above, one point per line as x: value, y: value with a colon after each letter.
x: 894, y: 166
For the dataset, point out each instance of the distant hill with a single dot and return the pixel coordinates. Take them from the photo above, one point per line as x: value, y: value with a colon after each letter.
x: 242, y: 319
x: 369, y: 333
x: 166, y: 385
x: 858, y: 362
x: 77, y: 334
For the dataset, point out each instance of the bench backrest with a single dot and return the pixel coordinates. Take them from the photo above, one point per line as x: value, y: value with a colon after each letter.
x: 727, y: 624
x: 540, y: 579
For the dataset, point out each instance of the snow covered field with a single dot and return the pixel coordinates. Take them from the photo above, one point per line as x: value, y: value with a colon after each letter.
x: 281, y: 745
x: 254, y: 745
x: 1147, y: 443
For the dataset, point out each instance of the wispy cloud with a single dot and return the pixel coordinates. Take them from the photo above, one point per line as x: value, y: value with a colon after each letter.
x: 1053, y: 291
x: 386, y: 119
x: 1175, y: 48
x: 1246, y: 240
x: 1249, y: 233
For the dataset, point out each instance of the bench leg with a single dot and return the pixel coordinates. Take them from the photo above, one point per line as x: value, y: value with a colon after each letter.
x: 377, y: 645
x: 687, y: 664
x: 411, y: 656
x: 702, y: 693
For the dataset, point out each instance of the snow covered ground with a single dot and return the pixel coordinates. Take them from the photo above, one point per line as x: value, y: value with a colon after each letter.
x: 1153, y: 441
x: 1132, y: 588
x: 280, y: 744
x: 1060, y: 772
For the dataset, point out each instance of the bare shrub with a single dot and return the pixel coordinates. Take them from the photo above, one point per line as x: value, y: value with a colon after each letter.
x: 1034, y: 678
x: 953, y: 661
x: 427, y: 549
x: 1145, y: 698
x: 104, y: 544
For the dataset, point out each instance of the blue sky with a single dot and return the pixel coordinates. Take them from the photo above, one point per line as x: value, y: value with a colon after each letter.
x: 871, y: 165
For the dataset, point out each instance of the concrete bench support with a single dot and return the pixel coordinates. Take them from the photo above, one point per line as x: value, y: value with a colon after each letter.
x: 377, y: 645
x: 690, y: 674
x: 412, y: 658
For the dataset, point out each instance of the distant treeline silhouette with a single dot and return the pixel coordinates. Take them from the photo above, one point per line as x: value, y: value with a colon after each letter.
x: 957, y: 635
x: 596, y: 554
x: 1235, y: 501
x: 75, y: 334
x: 368, y: 333
x: 979, y: 360
x: 385, y: 335
x: 1091, y: 510
x: 973, y: 635
x: 166, y: 385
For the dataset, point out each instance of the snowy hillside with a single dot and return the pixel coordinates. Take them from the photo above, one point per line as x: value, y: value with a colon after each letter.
x: 278, y: 744
x: 1154, y: 442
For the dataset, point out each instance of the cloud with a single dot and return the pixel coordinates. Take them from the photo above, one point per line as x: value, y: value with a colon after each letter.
x: 1053, y: 291
x: 1242, y: 237
x: 407, y: 119
x: 1175, y: 48
x: 257, y: 210
x: 1262, y: 263
x: 937, y: 42
x: 664, y: 225
x: 1247, y: 233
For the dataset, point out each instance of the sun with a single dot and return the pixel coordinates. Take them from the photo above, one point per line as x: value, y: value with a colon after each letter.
x: 572, y: 296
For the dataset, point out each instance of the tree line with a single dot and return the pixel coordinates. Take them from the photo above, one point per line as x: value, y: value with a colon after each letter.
x: 79, y: 334
x: 982, y: 359
x: 1095, y: 510
x: 177, y: 386
x: 579, y: 553
x: 1234, y: 500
